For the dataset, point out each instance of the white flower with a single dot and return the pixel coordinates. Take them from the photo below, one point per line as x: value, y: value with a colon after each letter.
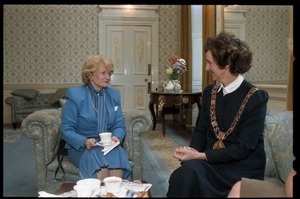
x: 182, y: 61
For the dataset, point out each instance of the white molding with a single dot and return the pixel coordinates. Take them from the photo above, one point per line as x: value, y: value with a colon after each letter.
x: 235, y: 21
x: 124, y: 11
x: 132, y: 6
x: 144, y: 15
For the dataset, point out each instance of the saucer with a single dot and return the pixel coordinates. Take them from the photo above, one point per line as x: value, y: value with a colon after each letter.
x: 105, y: 144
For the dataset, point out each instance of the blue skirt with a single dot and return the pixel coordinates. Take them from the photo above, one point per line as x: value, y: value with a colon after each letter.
x: 89, y: 161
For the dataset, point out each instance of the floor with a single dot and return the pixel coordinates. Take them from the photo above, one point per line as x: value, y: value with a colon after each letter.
x: 185, y: 133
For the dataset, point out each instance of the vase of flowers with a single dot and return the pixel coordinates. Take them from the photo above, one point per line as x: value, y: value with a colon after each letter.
x: 174, y: 70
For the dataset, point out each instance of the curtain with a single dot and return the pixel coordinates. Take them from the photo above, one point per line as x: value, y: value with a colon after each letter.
x: 186, y: 52
x: 186, y: 45
x: 209, y: 30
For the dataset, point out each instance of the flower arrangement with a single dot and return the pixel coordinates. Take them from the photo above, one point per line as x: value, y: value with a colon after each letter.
x: 176, y: 67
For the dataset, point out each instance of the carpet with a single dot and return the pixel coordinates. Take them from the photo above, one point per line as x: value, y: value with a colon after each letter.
x: 158, y: 153
x: 19, y: 173
x: 19, y: 169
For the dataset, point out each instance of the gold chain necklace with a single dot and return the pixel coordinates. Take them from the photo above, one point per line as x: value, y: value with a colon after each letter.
x: 219, y: 134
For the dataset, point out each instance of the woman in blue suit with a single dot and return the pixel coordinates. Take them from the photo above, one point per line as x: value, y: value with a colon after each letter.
x: 90, y: 109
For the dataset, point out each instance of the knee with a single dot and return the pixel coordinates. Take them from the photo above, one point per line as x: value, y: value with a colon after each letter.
x: 235, y: 190
x: 185, y: 171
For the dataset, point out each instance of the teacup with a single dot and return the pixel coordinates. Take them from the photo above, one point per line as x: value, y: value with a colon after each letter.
x: 112, y: 184
x: 105, y: 137
x: 87, y: 186
x: 83, y: 190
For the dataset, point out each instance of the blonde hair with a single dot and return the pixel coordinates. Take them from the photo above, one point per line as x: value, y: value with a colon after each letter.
x: 91, y: 65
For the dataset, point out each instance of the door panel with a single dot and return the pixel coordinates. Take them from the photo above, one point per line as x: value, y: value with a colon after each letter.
x: 129, y: 47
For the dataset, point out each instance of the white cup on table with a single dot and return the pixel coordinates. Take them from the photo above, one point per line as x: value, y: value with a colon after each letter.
x: 87, y: 187
x: 112, y: 184
x: 83, y: 190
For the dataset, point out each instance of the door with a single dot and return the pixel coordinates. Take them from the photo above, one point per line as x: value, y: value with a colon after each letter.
x: 129, y: 47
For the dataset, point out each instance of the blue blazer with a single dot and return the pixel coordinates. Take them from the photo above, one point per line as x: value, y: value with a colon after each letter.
x: 79, y: 119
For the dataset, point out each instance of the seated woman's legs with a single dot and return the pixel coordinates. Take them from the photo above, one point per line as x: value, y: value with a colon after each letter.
x: 183, y: 181
x: 105, y: 172
x: 235, y: 190
x: 115, y: 172
x: 261, y: 188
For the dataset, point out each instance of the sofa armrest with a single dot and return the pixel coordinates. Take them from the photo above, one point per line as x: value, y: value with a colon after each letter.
x: 15, y: 102
x: 44, y: 127
x: 279, y: 135
x: 137, y: 123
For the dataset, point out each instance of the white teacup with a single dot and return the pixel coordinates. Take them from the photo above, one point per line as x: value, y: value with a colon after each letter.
x: 112, y: 184
x: 83, y: 190
x: 87, y: 186
x: 105, y: 137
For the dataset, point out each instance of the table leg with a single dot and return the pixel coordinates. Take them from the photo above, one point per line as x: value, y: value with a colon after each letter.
x: 185, y: 102
x: 163, y: 122
x: 185, y: 109
x: 151, y: 108
x: 198, y: 101
x: 160, y: 113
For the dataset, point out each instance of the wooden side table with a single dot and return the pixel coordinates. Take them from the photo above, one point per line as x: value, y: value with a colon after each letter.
x: 161, y: 99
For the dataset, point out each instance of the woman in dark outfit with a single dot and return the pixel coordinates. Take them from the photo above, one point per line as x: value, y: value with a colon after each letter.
x: 227, y: 143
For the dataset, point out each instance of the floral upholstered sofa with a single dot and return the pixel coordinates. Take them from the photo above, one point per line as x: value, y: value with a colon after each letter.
x: 44, y: 127
x: 278, y: 135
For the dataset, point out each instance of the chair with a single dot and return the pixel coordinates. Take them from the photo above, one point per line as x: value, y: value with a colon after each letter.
x: 44, y: 127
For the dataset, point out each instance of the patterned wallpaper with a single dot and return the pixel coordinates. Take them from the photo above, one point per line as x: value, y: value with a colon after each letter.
x: 47, y: 44
x: 169, y: 21
x: 267, y: 33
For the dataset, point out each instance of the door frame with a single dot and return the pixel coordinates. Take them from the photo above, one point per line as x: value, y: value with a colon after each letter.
x: 146, y: 15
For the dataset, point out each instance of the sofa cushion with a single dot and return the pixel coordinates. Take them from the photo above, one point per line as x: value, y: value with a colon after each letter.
x: 270, y: 126
x: 59, y: 94
x: 281, y: 143
x: 27, y: 94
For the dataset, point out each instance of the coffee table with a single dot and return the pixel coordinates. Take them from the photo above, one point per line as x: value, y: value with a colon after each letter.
x: 68, y: 187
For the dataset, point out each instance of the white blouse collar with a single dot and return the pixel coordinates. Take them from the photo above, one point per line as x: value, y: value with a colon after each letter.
x: 232, y: 86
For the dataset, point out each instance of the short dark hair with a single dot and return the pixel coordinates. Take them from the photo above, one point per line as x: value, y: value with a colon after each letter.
x: 227, y: 49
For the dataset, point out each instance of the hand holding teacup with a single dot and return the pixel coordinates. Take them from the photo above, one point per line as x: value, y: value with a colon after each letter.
x: 90, y: 143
